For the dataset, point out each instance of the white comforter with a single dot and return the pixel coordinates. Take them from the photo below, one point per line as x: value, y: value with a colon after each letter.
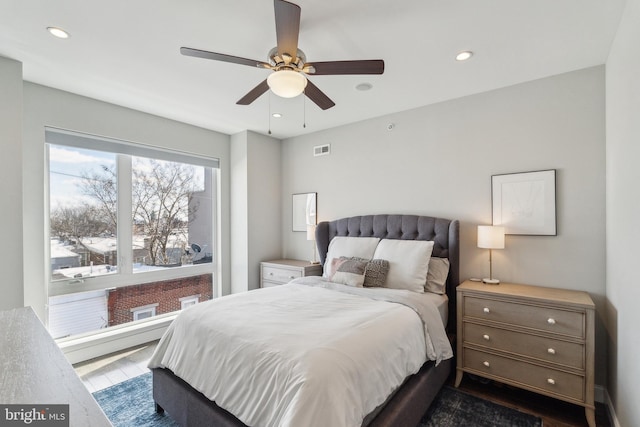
x: 302, y: 354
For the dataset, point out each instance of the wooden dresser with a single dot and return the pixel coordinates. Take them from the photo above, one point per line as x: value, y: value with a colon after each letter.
x: 536, y: 338
x: 35, y: 373
x: 281, y: 271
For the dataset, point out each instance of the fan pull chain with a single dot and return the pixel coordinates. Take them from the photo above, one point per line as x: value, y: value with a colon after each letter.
x: 269, y: 112
x: 304, y: 109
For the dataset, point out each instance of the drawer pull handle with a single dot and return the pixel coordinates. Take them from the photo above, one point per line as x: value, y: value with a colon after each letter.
x: 485, y: 363
x: 292, y: 277
x: 551, y: 351
x: 551, y: 381
x: 270, y: 274
x: 486, y: 310
x: 486, y: 337
x: 551, y: 321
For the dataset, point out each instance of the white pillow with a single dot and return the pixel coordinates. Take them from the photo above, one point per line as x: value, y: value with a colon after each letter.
x: 350, y: 247
x: 437, y: 275
x: 408, y: 262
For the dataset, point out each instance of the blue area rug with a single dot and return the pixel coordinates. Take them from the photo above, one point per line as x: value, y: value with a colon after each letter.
x: 454, y: 408
x: 130, y: 404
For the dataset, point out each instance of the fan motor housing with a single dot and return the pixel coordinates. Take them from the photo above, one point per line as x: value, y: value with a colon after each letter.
x: 287, y: 60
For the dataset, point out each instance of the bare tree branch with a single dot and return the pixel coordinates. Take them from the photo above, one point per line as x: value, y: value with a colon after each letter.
x: 161, y: 207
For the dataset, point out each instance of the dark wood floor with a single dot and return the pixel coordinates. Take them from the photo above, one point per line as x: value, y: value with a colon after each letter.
x: 554, y: 413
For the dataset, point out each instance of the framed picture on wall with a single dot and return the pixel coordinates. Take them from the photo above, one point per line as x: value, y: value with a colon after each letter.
x: 304, y: 211
x: 525, y: 203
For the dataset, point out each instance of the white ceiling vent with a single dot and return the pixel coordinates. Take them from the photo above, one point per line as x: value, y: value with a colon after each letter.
x: 321, y: 150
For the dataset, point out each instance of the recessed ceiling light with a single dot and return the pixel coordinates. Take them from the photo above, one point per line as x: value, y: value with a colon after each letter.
x: 464, y: 55
x: 277, y: 115
x: 364, y: 86
x: 58, y: 32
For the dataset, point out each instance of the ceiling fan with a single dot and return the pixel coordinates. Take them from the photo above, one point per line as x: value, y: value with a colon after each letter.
x: 288, y: 63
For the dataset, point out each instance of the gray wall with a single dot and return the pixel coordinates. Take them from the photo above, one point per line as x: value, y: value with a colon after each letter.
x: 11, y: 183
x: 255, y: 206
x: 239, y: 212
x: 623, y: 213
x: 44, y: 106
x: 438, y: 160
x: 265, y: 217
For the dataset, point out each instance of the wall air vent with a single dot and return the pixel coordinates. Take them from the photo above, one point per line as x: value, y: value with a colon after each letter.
x: 321, y: 150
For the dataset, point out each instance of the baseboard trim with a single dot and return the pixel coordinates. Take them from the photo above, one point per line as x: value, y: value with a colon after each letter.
x: 602, y: 396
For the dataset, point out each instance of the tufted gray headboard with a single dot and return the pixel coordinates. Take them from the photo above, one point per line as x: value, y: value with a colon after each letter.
x: 444, y: 232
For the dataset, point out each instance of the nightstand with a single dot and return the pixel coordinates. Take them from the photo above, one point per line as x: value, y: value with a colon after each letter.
x: 536, y: 338
x: 281, y: 271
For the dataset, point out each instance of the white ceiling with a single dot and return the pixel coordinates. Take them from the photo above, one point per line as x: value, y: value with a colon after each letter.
x: 127, y: 52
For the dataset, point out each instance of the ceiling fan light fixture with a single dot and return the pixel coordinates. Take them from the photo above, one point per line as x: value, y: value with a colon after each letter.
x: 287, y: 83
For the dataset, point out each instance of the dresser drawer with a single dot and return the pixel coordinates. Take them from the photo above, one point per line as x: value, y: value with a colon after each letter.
x: 538, y: 347
x: 279, y: 275
x: 269, y: 284
x: 547, y: 319
x: 525, y: 374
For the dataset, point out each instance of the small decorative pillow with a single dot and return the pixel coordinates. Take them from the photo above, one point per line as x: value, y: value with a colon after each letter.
x: 375, y: 273
x: 349, y: 271
x: 342, y: 246
x: 437, y: 275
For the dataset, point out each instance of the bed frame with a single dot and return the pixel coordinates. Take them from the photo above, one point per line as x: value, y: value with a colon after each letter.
x: 407, y: 405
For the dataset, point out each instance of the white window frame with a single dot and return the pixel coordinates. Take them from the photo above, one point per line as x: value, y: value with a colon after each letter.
x: 186, y: 302
x: 150, y: 308
x: 125, y: 275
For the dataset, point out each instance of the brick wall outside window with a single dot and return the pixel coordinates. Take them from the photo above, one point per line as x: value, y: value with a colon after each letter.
x: 166, y: 294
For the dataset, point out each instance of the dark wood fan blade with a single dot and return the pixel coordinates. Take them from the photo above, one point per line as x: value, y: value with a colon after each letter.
x: 222, y: 57
x: 373, y: 66
x: 254, y: 93
x: 287, y: 27
x: 317, y: 96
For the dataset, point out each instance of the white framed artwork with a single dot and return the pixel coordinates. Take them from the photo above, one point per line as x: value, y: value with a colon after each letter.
x: 304, y: 211
x: 525, y: 203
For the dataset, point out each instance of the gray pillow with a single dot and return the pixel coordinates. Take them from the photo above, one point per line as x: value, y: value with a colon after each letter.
x: 437, y: 275
x: 348, y: 271
x: 375, y: 273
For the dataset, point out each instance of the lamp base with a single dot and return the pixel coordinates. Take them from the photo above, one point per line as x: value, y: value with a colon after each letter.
x: 491, y: 281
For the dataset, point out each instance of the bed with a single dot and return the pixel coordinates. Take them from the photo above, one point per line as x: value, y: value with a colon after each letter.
x: 403, y: 404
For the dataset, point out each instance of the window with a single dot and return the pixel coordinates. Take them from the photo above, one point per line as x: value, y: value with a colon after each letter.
x: 83, y: 214
x: 189, y: 301
x: 132, y: 221
x: 140, y: 313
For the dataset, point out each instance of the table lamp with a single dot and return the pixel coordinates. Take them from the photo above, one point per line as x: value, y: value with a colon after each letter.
x: 311, y: 235
x: 490, y: 237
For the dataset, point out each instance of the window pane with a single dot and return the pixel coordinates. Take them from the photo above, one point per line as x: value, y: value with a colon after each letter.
x: 83, y: 212
x: 172, y: 214
x: 154, y: 257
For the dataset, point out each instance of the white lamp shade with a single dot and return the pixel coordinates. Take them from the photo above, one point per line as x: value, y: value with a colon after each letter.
x: 287, y: 83
x: 490, y: 237
x: 311, y: 232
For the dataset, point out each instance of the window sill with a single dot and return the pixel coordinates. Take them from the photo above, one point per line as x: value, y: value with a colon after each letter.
x: 89, y: 346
